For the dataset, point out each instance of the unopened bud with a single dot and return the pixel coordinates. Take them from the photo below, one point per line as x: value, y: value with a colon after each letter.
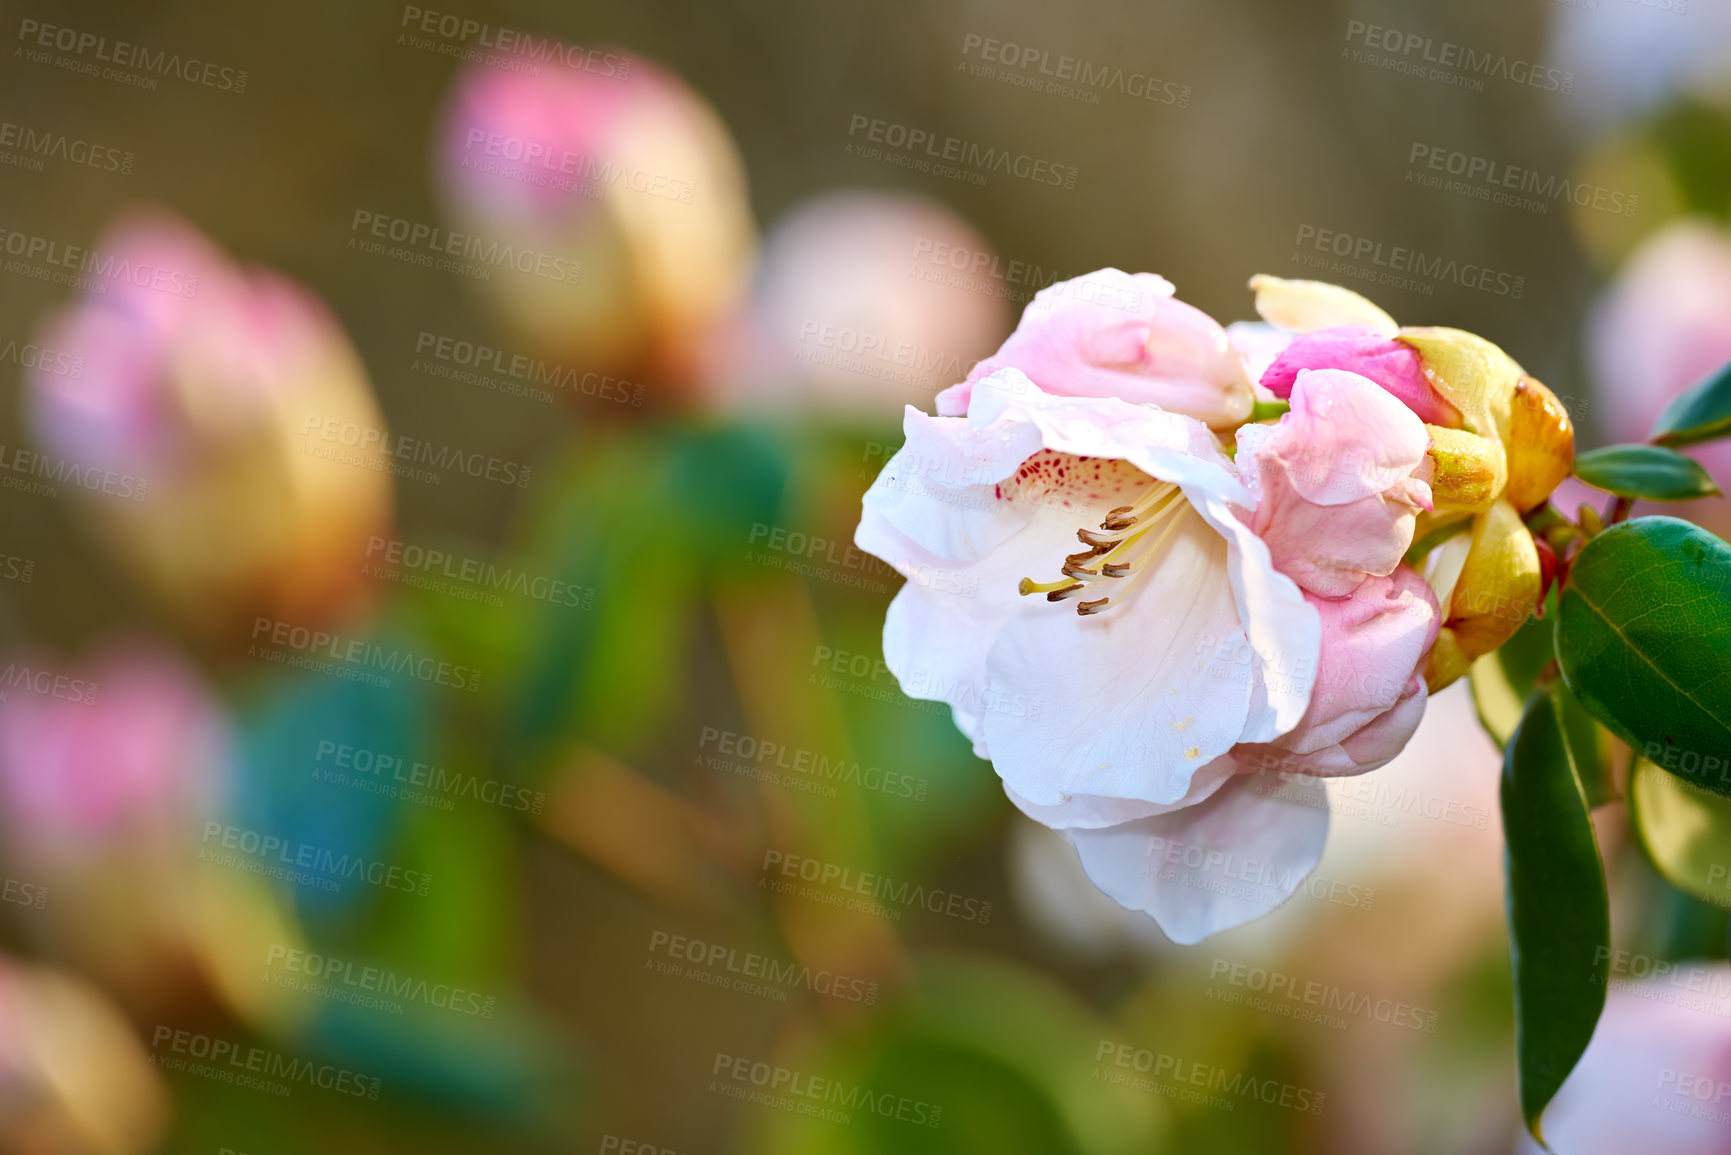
x: 1541, y: 444
x: 1306, y: 306
x: 1468, y: 471
x: 1471, y: 373
x: 1496, y: 592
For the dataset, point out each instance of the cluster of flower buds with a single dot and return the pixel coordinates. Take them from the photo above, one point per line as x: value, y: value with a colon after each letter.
x: 1500, y: 442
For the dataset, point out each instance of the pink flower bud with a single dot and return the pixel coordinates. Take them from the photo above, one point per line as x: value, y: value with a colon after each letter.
x: 621, y: 197
x: 1361, y: 349
x: 200, y: 390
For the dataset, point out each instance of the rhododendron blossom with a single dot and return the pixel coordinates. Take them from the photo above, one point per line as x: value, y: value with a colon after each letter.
x: 1183, y: 620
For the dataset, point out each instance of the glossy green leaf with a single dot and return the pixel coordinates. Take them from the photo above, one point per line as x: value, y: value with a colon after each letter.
x: 1649, y: 472
x: 1503, y: 679
x: 1644, y: 641
x: 1700, y: 413
x: 1684, y: 830
x: 1559, y: 920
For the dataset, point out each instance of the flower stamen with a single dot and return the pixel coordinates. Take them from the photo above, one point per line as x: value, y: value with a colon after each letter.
x: 1119, y: 549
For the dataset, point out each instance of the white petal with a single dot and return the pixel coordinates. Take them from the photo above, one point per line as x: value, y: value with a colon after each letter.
x: 1283, y: 630
x: 939, y: 490
x: 1127, y: 707
x: 1216, y: 865
x: 936, y: 639
x: 1091, y: 811
x: 1257, y: 344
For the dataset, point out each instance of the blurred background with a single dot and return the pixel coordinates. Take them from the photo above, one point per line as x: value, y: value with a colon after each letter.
x: 441, y: 708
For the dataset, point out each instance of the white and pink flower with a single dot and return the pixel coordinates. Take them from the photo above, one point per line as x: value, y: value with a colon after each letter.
x: 1242, y: 624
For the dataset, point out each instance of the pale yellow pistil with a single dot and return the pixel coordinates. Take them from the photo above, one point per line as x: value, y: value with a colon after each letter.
x: 1118, y: 550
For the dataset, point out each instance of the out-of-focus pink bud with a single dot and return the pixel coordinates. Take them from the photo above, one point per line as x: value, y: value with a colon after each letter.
x: 866, y: 302
x: 222, y: 426
x: 622, y: 199
x: 74, y: 1080
x: 1657, y: 1075
x: 90, y: 755
x: 1664, y: 324
x: 107, y: 772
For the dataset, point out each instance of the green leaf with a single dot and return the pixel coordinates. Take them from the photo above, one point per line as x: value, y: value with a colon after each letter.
x: 1559, y: 919
x: 1700, y: 413
x: 1503, y: 679
x: 1650, y: 472
x: 1644, y: 641
x: 1684, y: 830
x: 1268, y: 410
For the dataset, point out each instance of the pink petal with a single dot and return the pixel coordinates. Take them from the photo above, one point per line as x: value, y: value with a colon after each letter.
x: 1362, y: 350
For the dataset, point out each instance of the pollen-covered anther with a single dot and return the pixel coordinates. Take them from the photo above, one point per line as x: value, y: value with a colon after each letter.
x: 1125, y: 546
x: 1121, y: 518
